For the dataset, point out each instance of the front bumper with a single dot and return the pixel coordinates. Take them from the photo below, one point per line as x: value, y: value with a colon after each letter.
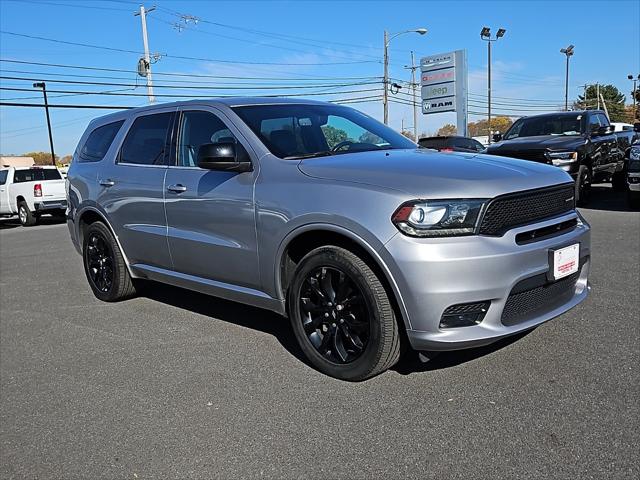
x: 433, y: 274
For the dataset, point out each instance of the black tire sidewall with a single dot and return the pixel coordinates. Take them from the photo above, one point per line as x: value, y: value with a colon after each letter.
x: 101, y: 230
x: 30, y: 218
x: 363, y: 365
x: 582, y: 188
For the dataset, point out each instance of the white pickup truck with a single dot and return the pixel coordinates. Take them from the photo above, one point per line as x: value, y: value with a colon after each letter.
x: 30, y: 192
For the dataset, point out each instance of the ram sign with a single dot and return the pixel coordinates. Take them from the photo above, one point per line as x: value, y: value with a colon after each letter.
x: 443, y: 81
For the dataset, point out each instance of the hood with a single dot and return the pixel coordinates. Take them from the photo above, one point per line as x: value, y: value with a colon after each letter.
x: 426, y: 173
x: 543, y: 142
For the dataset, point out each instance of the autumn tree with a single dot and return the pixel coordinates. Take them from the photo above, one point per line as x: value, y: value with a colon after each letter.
x: 408, y: 134
x: 447, y: 130
x: 479, y: 128
x: 41, y: 158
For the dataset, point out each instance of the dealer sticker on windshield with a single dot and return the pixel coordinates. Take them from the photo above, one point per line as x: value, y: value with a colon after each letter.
x: 566, y: 261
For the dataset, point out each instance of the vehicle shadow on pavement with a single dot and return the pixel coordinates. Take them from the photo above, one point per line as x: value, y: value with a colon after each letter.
x: 411, y: 363
x: 278, y: 326
x: 603, y: 197
x: 8, y: 223
x: 227, y: 311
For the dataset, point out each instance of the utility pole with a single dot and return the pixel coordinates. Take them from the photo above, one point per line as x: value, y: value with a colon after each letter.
x: 43, y: 86
x: 634, y: 94
x: 598, y: 94
x: 147, y: 58
x: 414, y: 87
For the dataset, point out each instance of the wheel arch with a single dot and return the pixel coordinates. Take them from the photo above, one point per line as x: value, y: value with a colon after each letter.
x: 308, y: 237
x: 89, y: 215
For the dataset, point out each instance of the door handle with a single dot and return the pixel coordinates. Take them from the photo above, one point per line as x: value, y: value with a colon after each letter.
x: 177, y: 188
x: 107, y: 183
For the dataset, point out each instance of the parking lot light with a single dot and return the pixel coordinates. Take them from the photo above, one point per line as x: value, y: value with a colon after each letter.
x: 568, y: 52
x: 485, y: 34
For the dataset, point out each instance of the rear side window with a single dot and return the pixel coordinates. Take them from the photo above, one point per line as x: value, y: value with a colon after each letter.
x: 435, y: 143
x: 98, y: 142
x: 146, y: 141
x: 36, y: 175
x: 3, y: 176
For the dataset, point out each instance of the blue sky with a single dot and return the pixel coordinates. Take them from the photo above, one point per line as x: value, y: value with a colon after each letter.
x: 328, y: 46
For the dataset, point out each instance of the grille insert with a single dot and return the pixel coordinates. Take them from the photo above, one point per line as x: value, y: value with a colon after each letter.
x: 544, y: 297
x: 522, y: 208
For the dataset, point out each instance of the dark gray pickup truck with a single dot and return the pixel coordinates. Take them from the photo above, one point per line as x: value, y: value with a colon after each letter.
x: 581, y: 142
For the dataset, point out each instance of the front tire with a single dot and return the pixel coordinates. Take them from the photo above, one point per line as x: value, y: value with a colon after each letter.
x: 583, y: 186
x: 104, y: 265
x: 26, y: 216
x: 342, y: 316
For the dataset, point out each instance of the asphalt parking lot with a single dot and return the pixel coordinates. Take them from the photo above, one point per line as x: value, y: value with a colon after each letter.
x: 179, y: 385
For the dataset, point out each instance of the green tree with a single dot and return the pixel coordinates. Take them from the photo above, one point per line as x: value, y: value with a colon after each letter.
x: 613, y: 99
x: 334, y: 135
x: 447, y: 130
x: 368, y: 137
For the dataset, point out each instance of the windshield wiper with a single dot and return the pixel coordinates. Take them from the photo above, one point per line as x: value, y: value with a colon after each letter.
x: 309, y: 155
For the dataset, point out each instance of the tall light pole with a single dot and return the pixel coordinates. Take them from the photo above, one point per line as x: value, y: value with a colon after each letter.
x: 568, y: 52
x: 634, y: 94
x: 485, y: 34
x: 385, y: 81
x: 147, y: 58
x: 43, y: 86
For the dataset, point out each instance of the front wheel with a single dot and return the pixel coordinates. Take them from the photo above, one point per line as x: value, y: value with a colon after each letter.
x: 104, y: 265
x: 341, y: 315
x: 583, y: 186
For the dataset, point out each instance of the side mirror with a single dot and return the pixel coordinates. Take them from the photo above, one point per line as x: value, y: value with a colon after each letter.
x: 224, y: 156
x: 497, y: 137
x: 636, y: 127
x: 603, y: 130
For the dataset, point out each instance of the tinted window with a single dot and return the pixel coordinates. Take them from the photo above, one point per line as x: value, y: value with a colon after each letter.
x: 297, y: 130
x: 36, y: 174
x: 604, y: 121
x: 594, y: 122
x: 199, y: 128
x: 435, y: 143
x: 3, y: 176
x: 545, y: 125
x: 145, y: 143
x: 476, y: 145
x: 98, y: 142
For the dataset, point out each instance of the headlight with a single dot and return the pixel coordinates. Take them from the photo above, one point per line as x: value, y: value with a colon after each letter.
x: 634, y: 154
x: 562, y: 158
x: 438, y: 218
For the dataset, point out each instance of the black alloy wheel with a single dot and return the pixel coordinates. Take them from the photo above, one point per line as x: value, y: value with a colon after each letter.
x: 100, y: 262
x: 334, y: 314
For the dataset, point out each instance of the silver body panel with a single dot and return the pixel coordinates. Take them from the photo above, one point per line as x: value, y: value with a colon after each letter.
x: 227, y: 233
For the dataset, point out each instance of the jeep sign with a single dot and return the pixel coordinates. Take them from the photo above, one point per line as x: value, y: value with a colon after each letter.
x: 443, y: 81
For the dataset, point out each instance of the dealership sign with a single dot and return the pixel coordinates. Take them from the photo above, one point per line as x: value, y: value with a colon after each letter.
x: 443, y: 81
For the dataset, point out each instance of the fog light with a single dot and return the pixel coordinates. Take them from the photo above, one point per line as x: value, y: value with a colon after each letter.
x: 464, y: 315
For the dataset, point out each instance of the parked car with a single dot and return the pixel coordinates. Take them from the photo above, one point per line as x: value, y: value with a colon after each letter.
x: 633, y: 176
x: 452, y: 143
x: 30, y: 192
x: 321, y: 213
x: 581, y: 143
x: 621, y: 127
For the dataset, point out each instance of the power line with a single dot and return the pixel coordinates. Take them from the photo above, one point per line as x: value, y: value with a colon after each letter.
x: 176, y: 74
x: 182, y: 57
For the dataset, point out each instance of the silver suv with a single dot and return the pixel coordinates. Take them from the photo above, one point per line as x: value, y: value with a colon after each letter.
x: 321, y: 213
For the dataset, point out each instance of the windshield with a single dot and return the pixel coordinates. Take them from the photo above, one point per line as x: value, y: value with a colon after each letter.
x: 545, y: 125
x: 300, y: 131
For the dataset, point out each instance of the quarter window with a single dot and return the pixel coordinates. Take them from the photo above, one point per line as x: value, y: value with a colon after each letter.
x: 199, y: 128
x: 98, y: 142
x: 146, y: 142
x: 3, y: 176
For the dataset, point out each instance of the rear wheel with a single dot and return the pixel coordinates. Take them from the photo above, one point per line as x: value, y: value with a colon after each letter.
x: 583, y: 185
x: 27, y: 218
x: 341, y: 315
x: 104, y: 265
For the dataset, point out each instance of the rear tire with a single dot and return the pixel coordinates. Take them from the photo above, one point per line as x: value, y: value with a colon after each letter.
x: 104, y: 265
x: 27, y: 218
x: 583, y: 186
x: 345, y: 325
